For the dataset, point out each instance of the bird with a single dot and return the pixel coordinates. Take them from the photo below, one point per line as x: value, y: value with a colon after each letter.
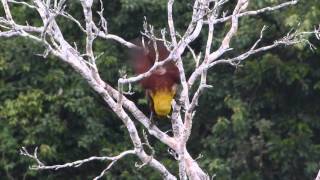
x: 161, y: 86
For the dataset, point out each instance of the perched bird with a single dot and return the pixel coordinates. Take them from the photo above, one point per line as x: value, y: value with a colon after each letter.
x: 161, y: 86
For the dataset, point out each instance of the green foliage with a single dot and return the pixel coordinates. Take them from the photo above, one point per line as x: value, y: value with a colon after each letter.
x: 260, y: 121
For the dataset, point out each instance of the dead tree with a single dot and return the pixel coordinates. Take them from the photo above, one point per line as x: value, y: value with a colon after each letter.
x: 206, y: 13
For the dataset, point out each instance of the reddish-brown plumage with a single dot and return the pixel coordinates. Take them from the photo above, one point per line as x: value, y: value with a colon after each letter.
x: 164, y: 79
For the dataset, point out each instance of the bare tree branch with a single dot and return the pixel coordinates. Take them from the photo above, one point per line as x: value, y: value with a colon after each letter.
x: 259, y: 11
x: 41, y: 165
x: 318, y: 176
x: 204, y: 13
x: 23, y: 3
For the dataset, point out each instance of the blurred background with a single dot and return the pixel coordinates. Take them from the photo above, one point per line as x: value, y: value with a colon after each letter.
x: 259, y: 121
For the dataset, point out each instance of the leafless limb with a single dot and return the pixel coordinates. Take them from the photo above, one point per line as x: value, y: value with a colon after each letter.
x: 184, y: 107
x: 103, y: 22
x: 318, y: 176
x: 289, y: 39
x: 259, y: 11
x: 171, y: 23
x: 68, y: 54
x: 40, y: 165
x: 10, y: 33
x: 69, y: 16
x: 24, y: 152
x: 195, y: 57
x: 23, y: 3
